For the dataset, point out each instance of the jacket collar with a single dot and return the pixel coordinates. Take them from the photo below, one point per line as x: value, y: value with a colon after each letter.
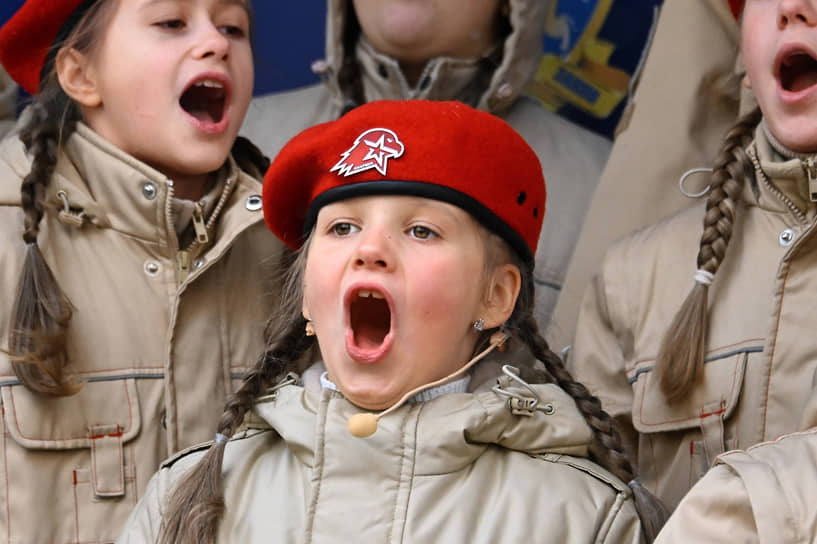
x: 443, y: 78
x: 522, y: 51
x: 451, y: 430
x: 106, y: 187
x: 780, y: 175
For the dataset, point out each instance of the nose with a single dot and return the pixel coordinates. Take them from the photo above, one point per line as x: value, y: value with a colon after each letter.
x: 796, y: 11
x: 212, y: 43
x: 373, y: 250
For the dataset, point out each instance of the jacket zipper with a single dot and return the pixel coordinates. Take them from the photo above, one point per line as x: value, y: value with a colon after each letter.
x: 811, y: 171
x: 202, y: 229
x: 798, y: 213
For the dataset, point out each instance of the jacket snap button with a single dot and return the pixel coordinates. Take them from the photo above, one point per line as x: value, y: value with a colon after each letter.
x: 254, y: 203
x: 786, y: 237
x: 151, y: 268
x: 198, y: 263
x: 149, y: 190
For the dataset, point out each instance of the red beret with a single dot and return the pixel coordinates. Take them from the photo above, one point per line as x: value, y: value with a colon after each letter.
x: 736, y: 6
x: 441, y: 150
x: 27, y: 37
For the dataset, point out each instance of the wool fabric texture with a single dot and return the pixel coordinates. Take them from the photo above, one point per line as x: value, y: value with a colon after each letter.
x: 25, y: 40
x: 441, y: 150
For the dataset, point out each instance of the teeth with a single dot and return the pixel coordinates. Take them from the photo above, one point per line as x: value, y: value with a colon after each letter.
x: 210, y: 83
x: 367, y: 294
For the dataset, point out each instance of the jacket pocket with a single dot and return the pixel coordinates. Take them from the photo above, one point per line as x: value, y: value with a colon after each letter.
x: 679, y: 441
x: 69, y: 456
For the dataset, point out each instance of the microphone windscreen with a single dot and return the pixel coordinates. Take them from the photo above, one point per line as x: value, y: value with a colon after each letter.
x: 362, y: 425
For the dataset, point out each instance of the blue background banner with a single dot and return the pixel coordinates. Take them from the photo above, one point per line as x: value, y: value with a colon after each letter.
x: 591, y: 49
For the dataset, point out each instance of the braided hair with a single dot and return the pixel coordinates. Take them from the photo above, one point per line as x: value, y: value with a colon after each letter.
x: 41, y: 311
x: 197, y: 503
x: 681, y: 355
x: 607, y: 448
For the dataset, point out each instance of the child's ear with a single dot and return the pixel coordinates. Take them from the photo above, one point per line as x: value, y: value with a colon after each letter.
x: 746, y: 81
x: 501, y: 296
x: 78, y: 78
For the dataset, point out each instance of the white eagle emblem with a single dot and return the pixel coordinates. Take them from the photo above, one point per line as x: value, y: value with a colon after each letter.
x: 372, y: 149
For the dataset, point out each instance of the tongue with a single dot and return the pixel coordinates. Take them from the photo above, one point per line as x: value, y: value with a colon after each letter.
x: 370, y: 336
x: 803, y: 80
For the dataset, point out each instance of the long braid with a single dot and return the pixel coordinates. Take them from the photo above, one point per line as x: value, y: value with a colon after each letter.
x: 41, y: 311
x: 607, y: 449
x: 197, y: 504
x: 681, y: 355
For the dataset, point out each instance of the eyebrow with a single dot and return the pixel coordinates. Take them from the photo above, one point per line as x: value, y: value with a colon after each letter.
x: 241, y: 3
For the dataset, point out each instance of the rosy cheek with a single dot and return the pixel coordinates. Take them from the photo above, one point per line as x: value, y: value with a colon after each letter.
x: 437, y: 291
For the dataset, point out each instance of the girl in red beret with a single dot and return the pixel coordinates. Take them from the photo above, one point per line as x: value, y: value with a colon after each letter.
x: 134, y: 275
x: 414, y: 226
x: 698, y: 331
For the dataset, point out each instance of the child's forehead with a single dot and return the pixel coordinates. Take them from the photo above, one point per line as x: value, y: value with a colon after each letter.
x: 405, y: 203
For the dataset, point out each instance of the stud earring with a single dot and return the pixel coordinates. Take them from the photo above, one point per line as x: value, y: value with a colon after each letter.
x: 309, y: 328
x: 479, y: 324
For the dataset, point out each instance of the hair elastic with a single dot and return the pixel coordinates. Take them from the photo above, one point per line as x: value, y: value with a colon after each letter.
x: 688, y: 173
x: 704, y: 277
x: 221, y: 438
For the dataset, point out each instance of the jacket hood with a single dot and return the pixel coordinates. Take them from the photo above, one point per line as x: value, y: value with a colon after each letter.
x: 521, y: 52
x: 450, y: 431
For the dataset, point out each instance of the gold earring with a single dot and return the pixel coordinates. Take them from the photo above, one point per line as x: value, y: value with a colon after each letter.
x: 309, y: 328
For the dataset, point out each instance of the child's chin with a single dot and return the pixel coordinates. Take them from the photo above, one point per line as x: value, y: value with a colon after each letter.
x: 374, y: 401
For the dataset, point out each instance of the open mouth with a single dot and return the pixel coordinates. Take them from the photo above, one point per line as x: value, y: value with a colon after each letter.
x: 205, y: 100
x: 370, y: 319
x: 798, y: 71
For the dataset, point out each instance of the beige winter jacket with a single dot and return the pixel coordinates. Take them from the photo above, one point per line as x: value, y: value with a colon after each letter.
x: 673, y: 123
x: 572, y: 158
x: 158, y: 354
x: 458, y: 468
x: 763, y: 495
x: 761, y: 364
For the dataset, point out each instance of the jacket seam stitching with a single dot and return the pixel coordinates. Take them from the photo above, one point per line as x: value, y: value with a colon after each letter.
x: 748, y: 349
x: 318, y: 463
x: 87, y: 436
x: 787, y: 264
x: 612, y: 513
x: 396, y: 507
